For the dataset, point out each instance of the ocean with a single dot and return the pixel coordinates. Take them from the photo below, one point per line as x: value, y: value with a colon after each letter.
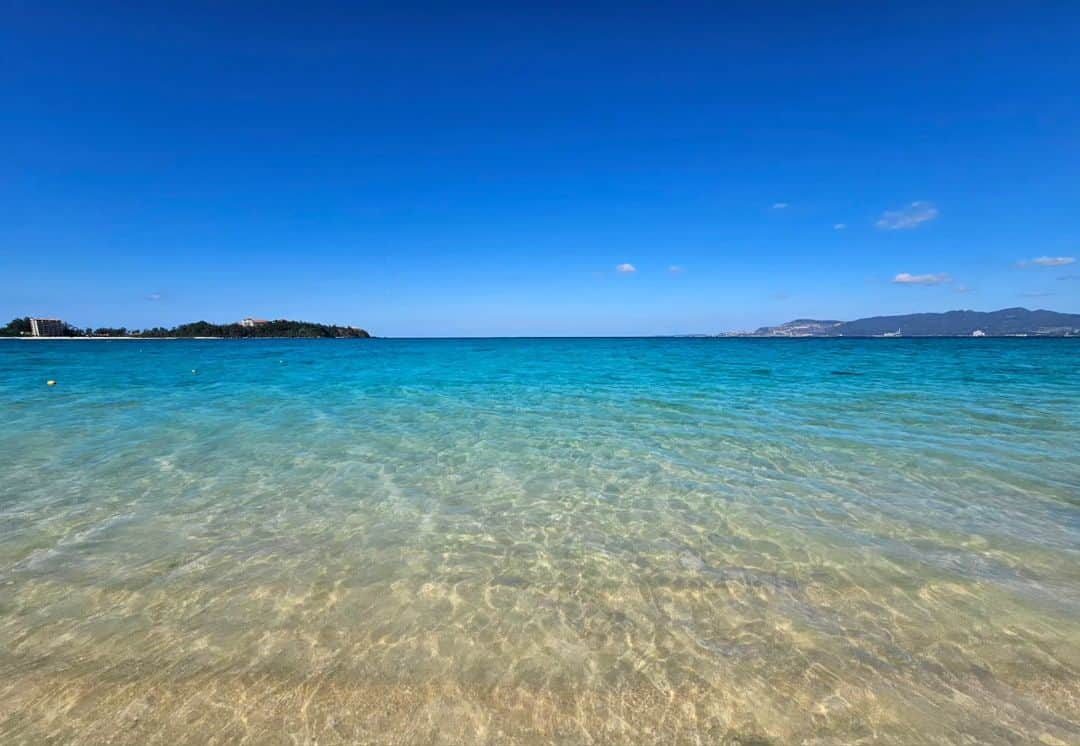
x: 540, y: 541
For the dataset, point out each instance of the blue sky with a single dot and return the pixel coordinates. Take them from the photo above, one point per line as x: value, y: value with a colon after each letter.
x: 485, y: 170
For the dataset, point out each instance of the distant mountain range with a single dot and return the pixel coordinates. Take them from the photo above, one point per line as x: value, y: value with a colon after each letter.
x: 1008, y: 322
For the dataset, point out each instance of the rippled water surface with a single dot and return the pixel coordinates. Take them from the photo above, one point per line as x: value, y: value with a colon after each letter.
x: 540, y: 541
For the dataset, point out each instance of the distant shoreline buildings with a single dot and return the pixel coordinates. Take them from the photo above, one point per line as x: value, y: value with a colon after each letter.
x: 1008, y: 322
x: 27, y: 327
x: 48, y: 328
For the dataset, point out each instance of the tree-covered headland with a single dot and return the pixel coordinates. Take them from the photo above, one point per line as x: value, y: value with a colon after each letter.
x: 20, y: 327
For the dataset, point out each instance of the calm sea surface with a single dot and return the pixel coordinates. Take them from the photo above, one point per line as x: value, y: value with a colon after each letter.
x: 540, y: 541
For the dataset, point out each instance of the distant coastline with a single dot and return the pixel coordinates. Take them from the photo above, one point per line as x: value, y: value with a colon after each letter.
x: 1008, y: 322
x: 127, y: 338
x: 34, y: 328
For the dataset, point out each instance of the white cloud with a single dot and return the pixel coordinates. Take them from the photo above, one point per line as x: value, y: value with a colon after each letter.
x: 908, y: 279
x: 154, y: 296
x: 839, y: 226
x: 1049, y: 261
x: 911, y: 216
x: 626, y: 268
x: 676, y: 269
x: 1036, y: 294
x: 963, y: 289
x: 780, y: 205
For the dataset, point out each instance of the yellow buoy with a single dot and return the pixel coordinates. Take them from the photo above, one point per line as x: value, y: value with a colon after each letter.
x: 50, y: 382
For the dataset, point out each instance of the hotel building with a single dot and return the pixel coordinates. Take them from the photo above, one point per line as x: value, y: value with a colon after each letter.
x: 48, y: 328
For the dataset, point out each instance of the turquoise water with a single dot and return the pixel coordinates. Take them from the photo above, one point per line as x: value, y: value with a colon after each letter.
x: 540, y: 541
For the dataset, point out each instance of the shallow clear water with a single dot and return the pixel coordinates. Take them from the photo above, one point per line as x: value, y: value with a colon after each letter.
x: 540, y: 541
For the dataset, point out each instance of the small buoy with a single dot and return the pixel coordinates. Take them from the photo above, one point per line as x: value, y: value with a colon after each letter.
x: 50, y: 382
x: 193, y: 370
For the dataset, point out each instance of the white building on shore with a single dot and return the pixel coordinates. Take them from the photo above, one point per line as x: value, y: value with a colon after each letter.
x: 48, y: 328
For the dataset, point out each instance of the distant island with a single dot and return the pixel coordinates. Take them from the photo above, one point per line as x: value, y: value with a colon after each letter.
x: 245, y: 329
x: 1008, y: 322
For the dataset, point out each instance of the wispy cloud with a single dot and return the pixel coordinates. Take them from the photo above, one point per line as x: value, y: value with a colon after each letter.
x: 905, y: 278
x: 626, y: 268
x: 839, y: 226
x: 780, y: 205
x: 676, y: 269
x: 911, y: 216
x: 779, y: 296
x: 1036, y: 294
x: 962, y: 289
x: 155, y: 296
x: 1069, y: 277
x: 1048, y: 261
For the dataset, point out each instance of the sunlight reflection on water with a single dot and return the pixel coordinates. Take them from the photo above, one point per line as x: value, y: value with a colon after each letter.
x: 538, y: 541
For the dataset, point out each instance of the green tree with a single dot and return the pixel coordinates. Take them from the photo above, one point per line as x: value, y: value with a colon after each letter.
x: 17, y: 327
